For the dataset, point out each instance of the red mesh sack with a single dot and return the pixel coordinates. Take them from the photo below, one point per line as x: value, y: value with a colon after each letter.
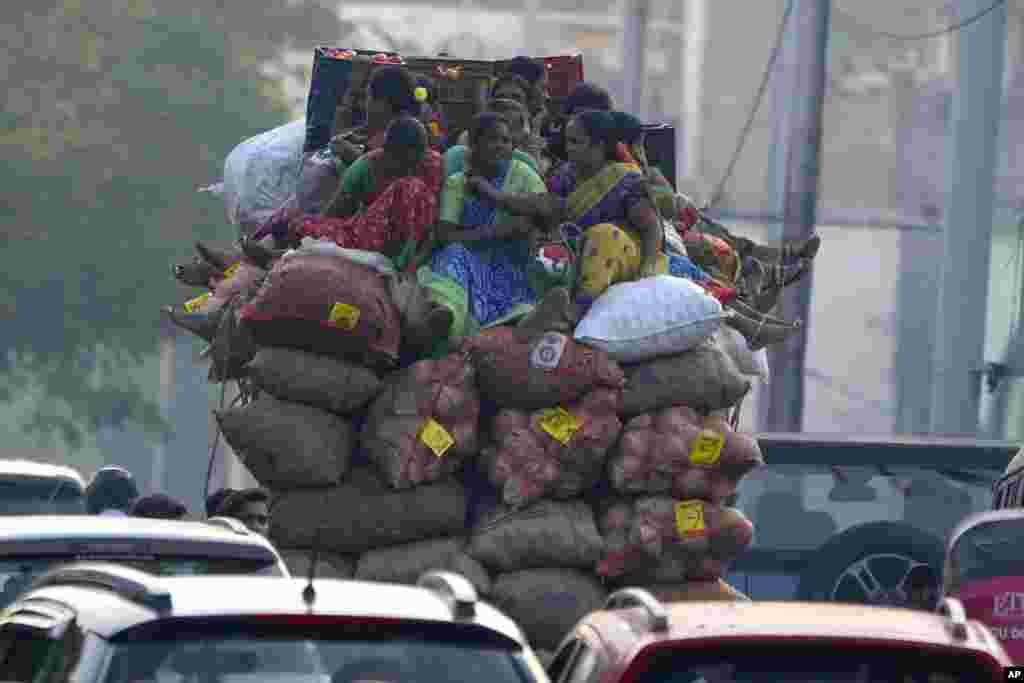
x: 555, y: 452
x: 677, y: 452
x: 326, y: 304
x: 527, y: 370
x: 424, y: 424
x: 664, y: 539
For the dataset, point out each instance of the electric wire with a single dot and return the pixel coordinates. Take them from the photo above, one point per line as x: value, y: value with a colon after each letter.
x: 952, y: 28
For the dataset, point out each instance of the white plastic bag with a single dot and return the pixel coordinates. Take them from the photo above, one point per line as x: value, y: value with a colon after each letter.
x: 379, y: 262
x: 262, y: 173
x: 750, y: 363
x: 657, y: 316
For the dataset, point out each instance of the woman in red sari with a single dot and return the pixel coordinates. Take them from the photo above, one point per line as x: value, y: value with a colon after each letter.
x: 388, y: 198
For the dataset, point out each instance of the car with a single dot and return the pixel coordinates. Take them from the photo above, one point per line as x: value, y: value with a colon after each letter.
x: 33, y: 544
x: 34, y: 488
x: 846, y: 518
x: 113, y: 624
x: 984, y: 571
x: 638, y: 639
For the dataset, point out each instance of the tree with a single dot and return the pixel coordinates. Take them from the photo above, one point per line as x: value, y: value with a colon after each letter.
x: 116, y: 111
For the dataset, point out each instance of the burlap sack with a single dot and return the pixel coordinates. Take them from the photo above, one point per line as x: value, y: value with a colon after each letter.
x: 545, y: 534
x: 328, y: 566
x: 662, y: 540
x: 677, y: 452
x: 287, y: 445
x: 703, y: 378
x: 326, y: 304
x: 425, y: 422
x: 547, y: 603
x: 363, y: 513
x: 334, y: 385
x: 406, y: 563
x: 525, y: 370
x: 696, y: 591
x: 554, y: 452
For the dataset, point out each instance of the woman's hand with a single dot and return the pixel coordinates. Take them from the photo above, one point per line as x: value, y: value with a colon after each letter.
x: 649, y: 269
x: 345, y: 149
x: 481, y: 186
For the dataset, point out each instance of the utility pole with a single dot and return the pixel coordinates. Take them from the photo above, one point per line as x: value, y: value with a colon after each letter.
x: 691, y: 68
x: 974, y: 124
x: 634, y: 53
x: 917, y: 281
x: 798, y: 97
x: 168, y: 339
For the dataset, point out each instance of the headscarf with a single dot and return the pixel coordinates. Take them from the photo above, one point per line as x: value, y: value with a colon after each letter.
x: 396, y: 85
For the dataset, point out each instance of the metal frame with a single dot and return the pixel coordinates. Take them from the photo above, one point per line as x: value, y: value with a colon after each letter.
x: 454, y: 589
x: 638, y: 597
x: 891, y: 451
x: 130, y: 584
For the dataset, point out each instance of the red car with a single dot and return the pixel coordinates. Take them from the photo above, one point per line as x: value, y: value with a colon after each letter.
x: 637, y: 639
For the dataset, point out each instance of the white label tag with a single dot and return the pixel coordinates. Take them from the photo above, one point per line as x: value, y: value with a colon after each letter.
x: 547, y: 354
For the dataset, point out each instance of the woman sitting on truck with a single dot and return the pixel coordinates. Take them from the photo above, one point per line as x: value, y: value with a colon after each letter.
x: 390, y: 94
x: 388, y: 198
x: 488, y: 248
x: 515, y: 115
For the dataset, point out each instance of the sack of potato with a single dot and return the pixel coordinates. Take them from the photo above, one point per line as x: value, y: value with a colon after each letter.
x: 663, y: 540
x: 679, y: 453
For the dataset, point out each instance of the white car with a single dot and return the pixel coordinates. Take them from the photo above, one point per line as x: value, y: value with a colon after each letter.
x: 35, y: 488
x: 32, y: 545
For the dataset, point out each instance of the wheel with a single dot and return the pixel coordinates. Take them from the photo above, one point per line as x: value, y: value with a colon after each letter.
x: 868, y: 564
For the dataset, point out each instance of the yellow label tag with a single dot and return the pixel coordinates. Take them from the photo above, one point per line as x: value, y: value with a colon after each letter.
x: 232, y: 270
x: 690, y: 518
x: 344, y: 316
x: 435, y: 437
x: 193, y: 304
x: 707, y: 448
x: 559, y: 423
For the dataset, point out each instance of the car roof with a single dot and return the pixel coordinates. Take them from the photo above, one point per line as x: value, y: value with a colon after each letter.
x: 805, y: 621
x: 73, y: 527
x: 107, y: 613
x: 31, y: 468
x: 979, y: 518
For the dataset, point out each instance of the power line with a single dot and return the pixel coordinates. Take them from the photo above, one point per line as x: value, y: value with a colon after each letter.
x: 762, y: 88
x: 952, y: 28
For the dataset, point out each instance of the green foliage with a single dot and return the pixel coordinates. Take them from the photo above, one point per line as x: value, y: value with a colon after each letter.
x: 117, y: 110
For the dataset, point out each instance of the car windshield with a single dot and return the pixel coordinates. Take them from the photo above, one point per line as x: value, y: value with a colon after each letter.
x: 16, y: 575
x: 988, y: 550
x: 44, y: 496
x: 807, y: 663
x: 233, y: 652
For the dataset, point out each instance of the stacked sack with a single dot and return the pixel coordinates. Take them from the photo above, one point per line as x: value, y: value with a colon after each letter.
x: 359, y: 455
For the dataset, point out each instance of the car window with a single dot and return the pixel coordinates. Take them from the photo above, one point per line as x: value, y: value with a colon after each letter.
x: 233, y: 652
x: 817, y: 663
x: 987, y: 551
x: 30, y: 656
x: 16, y: 575
x: 40, y: 496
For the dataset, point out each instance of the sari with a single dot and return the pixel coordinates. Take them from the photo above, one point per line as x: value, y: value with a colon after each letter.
x: 492, y: 275
x: 396, y: 211
x: 612, y: 252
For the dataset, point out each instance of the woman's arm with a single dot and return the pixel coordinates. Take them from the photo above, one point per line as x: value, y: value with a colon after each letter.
x: 540, y: 205
x: 643, y: 218
x: 454, y: 232
x: 355, y: 183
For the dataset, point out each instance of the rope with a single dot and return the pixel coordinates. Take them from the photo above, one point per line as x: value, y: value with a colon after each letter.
x: 761, y: 90
x: 952, y: 28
